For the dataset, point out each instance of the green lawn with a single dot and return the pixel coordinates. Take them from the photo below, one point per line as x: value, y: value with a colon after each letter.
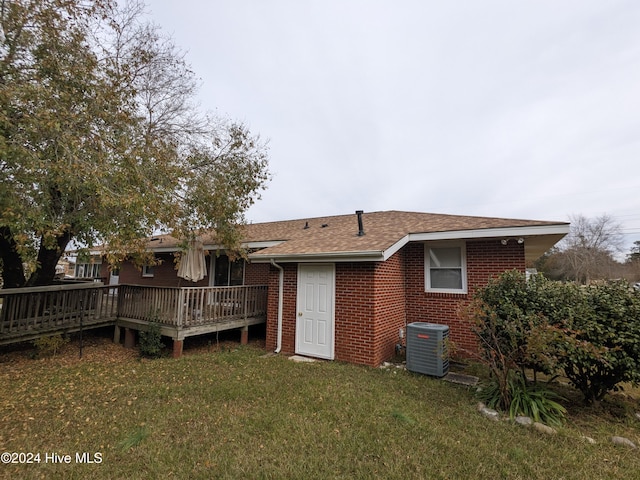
x: 237, y: 413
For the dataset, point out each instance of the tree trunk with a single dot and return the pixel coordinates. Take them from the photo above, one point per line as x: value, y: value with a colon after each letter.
x: 47, y: 260
x: 12, y: 269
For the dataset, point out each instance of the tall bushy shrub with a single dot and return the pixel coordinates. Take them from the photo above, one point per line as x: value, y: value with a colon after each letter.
x: 600, y: 348
x: 508, y: 331
x: 592, y: 334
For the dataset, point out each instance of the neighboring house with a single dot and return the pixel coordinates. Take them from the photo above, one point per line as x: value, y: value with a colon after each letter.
x: 342, y: 287
x: 66, y: 268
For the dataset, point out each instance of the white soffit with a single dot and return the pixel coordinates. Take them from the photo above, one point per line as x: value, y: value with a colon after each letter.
x: 491, y: 233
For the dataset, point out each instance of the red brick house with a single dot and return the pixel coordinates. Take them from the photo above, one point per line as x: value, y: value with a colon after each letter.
x: 342, y: 287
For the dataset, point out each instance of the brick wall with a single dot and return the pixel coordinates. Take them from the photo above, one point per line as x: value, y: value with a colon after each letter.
x: 256, y: 274
x: 390, y: 306
x: 355, y: 327
x: 375, y: 299
x: 485, y: 259
x: 289, y: 308
x: 369, y: 310
x: 166, y: 274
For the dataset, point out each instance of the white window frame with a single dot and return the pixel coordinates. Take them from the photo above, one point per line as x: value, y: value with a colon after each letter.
x: 463, y: 267
x: 148, y: 271
x: 88, y: 270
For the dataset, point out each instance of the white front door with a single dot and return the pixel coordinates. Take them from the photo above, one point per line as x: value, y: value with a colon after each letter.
x: 315, y: 322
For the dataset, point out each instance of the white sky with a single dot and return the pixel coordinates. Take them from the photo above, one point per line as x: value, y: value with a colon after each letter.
x: 524, y: 109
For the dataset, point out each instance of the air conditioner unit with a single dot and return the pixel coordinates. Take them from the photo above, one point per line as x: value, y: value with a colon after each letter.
x: 427, y: 348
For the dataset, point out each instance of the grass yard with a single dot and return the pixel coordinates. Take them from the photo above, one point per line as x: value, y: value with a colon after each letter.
x: 236, y: 413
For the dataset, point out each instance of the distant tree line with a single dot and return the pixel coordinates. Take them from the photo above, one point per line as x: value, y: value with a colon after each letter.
x: 590, y: 252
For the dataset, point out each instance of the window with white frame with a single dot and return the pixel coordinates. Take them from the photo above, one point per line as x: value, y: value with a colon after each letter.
x: 88, y: 270
x: 445, y: 268
x: 147, y: 270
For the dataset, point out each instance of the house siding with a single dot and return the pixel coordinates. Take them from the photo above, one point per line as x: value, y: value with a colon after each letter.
x: 256, y: 274
x: 369, y: 310
x: 166, y: 274
x: 288, y: 308
x: 374, y: 300
x: 355, y: 322
x: 485, y: 259
x: 390, y: 306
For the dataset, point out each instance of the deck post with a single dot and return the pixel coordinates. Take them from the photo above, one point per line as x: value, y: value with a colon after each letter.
x: 244, y: 335
x: 177, y: 348
x: 116, y: 334
x: 129, y: 338
x: 180, y: 307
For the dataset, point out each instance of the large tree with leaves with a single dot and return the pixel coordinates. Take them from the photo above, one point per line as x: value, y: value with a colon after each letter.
x: 101, y: 142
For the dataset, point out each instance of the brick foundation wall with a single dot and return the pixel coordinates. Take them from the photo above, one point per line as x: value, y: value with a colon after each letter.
x: 485, y: 259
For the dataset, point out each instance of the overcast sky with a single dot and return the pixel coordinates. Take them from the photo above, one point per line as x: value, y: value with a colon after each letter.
x: 521, y: 109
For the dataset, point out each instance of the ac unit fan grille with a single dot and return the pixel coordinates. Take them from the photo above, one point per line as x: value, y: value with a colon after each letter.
x: 427, y: 348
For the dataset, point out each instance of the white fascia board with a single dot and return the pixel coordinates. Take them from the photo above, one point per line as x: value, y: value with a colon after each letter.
x: 249, y: 245
x: 491, y: 233
x: 164, y: 249
x: 370, y: 256
x: 388, y: 253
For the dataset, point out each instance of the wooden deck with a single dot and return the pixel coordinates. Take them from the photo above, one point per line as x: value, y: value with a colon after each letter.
x: 29, y: 313
x: 186, y: 311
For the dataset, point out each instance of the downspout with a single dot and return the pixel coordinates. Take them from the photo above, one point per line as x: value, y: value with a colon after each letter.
x: 280, y: 296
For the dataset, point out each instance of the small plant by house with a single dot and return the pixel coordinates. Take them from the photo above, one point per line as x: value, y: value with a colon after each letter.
x: 151, y: 341
x: 49, y: 346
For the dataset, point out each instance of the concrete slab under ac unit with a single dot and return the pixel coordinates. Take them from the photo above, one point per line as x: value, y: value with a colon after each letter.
x: 461, y: 379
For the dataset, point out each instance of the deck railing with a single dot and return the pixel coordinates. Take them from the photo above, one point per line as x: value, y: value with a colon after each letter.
x: 30, y: 312
x: 185, y: 307
x: 27, y: 313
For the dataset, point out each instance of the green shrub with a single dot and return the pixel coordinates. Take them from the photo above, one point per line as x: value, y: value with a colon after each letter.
x: 600, y: 349
x: 49, y: 346
x: 151, y: 341
x: 512, y: 334
x: 591, y: 334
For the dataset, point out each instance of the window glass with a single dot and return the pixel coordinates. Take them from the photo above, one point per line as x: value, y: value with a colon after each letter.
x: 148, y: 271
x: 450, y: 278
x: 236, y: 275
x: 445, y: 269
x: 88, y: 270
x: 228, y: 273
x: 445, y: 257
x: 221, y: 274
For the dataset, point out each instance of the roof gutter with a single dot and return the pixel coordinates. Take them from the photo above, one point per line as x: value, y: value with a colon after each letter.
x: 365, y: 256
x: 280, y: 297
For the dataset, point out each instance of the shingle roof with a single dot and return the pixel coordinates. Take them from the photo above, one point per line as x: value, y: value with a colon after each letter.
x: 338, y: 235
